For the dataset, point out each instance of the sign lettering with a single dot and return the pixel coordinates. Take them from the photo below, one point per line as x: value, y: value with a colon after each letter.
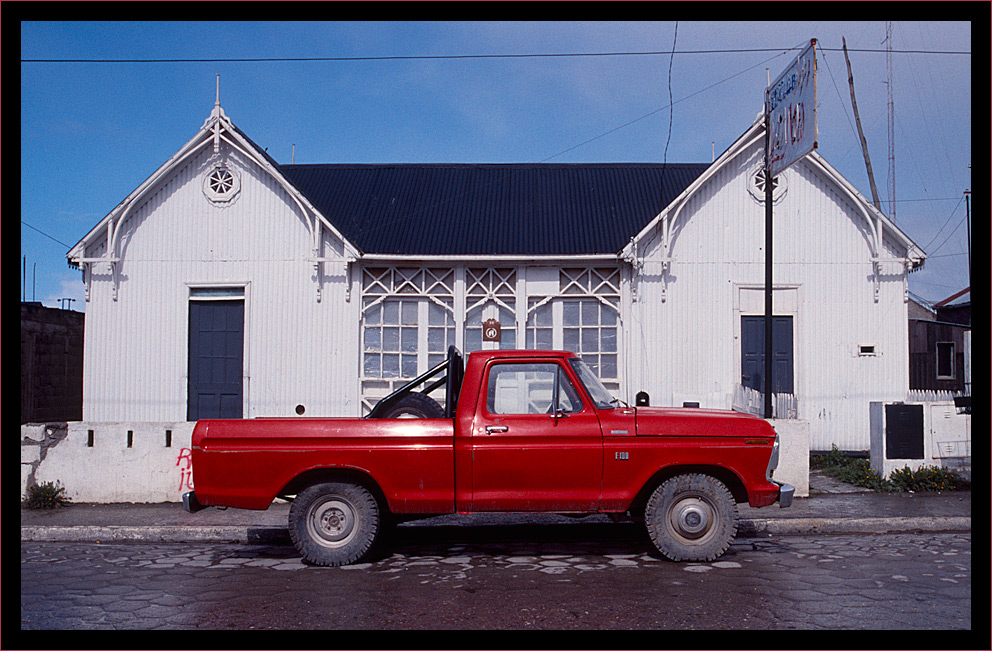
x: 790, y: 106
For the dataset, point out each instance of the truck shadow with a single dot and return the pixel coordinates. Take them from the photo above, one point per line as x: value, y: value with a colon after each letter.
x: 571, y: 538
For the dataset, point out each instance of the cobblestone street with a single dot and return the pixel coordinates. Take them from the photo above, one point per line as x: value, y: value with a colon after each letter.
x: 897, y: 581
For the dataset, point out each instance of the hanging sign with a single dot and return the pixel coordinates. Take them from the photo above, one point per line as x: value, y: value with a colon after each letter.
x: 790, y: 107
x: 491, y: 330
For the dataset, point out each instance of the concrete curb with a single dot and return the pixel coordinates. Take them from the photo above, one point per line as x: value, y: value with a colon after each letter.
x: 748, y: 528
x: 810, y: 526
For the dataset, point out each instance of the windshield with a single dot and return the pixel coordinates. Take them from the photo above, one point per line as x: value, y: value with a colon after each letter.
x: 600, y: 396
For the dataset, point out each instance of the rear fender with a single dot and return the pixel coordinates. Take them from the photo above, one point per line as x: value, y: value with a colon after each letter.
x: 324, y: 475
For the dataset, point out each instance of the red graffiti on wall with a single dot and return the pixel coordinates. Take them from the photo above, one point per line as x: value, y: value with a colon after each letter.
x: 185, y: 464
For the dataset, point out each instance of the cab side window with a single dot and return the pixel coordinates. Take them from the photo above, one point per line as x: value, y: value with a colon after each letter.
x: 530, y: 389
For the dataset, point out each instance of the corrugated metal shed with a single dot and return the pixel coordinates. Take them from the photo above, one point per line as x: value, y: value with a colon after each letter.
x: 493, y: 209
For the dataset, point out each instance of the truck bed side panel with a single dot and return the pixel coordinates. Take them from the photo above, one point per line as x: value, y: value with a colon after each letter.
x: 246, y: 463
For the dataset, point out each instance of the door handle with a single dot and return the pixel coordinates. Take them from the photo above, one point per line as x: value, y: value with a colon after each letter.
x: 491, y: 429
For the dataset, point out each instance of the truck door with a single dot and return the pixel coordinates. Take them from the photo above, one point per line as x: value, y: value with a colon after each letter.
x: 536, y: 442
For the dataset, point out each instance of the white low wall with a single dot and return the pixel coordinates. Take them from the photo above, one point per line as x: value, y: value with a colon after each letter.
x: 109, y: 462
x: 793, y: 454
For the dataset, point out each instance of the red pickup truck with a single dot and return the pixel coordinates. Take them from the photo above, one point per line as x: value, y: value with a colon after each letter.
x: 520, y: 431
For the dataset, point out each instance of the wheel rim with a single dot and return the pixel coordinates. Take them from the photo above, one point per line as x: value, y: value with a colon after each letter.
x: 332, y: 522
x: 692, y: 518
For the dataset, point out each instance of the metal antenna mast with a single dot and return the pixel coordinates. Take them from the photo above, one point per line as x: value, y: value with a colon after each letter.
x: 892, y: 123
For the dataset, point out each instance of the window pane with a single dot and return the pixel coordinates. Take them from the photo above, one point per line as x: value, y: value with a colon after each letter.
x: 373, y: 339
x: 570, y: 313
x: 590, y: 313
x: 608, y: 338
x: 373, y: 315
x: 545, y: 339
x: 391, y: 338
x: 391, y: 313
x: 390, y: 366
x: 590, y: 340
x: 435, y: 339
x: 410, y: 366
x: 473, y: 339
x: 543, y: 315
x: 570, y: 339
x: 436, y: 315
x: 945, y: 360
x: 372, y: 368
x: 409, y: 340
x: 608, y: 366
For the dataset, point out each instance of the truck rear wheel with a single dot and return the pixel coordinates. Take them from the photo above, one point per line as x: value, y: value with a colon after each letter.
x: 691, y: 517
x: 334, y: 523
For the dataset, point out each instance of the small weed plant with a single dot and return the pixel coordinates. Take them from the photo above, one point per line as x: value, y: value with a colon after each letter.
x: 48, y: 495
x: 858, y: 471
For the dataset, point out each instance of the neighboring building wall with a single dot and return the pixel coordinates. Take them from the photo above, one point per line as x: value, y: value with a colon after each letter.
x: 298, y: 351
x: 929, y: 340
x: 686, y: 327
x: 51, y: 364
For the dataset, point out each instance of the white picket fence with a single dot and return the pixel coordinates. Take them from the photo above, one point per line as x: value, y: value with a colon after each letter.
x: 750, y: 401
x: 921, y: 395
x: 785, y: 405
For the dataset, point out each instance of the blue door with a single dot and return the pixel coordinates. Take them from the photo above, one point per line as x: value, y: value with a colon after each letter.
x: 753, y: 353
x: 216, y: 356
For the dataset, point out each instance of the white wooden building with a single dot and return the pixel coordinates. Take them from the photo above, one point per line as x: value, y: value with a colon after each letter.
x: 228, y: 284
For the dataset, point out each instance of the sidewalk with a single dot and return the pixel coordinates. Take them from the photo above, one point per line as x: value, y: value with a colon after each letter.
x: 832, y: 508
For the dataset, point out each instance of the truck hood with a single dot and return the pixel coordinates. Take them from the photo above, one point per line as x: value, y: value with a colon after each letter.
x: 673, y: 421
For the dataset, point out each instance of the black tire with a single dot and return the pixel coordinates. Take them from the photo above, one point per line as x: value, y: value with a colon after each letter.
x: 415, y: 405
x: 691, y: 517
x: 334, y: 523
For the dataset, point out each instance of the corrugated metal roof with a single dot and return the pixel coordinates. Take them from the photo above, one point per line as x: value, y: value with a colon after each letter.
x: 495, y: 209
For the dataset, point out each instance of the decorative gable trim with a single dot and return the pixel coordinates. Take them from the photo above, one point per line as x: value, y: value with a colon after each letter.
x: 216, y: 129
x: 878, y: 223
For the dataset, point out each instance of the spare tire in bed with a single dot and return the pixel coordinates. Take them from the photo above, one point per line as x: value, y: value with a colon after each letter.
x: 415, y: 405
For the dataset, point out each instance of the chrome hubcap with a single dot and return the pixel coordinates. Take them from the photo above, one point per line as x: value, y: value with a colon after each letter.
x: 691, y: 518
x: 332, y: 522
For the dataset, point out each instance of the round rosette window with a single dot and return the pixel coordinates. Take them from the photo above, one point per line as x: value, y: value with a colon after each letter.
x: 756, y: 185
x: 221, y: 185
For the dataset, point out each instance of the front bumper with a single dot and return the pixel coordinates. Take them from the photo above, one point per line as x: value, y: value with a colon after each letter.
x: 785, y: 494
x: 785, y: 491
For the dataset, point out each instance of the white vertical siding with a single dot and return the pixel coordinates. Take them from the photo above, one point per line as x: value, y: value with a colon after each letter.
x: 823, y: 275
x: 295, y: 352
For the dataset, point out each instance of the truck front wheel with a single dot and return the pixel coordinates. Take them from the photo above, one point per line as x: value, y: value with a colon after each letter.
x: 691, y: 517
x: 334, y: 523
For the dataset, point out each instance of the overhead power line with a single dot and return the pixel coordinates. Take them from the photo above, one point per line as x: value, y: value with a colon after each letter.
x: 474, y: 56
x: 68, y: 246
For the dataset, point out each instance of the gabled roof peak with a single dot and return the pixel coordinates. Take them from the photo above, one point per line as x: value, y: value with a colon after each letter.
x: 217, y: 113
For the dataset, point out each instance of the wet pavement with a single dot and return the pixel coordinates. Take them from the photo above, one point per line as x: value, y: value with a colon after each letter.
x: 570, y: 580
x: 844, y: 558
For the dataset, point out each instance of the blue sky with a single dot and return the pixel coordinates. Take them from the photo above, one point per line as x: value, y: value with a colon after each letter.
x: 92, y: 132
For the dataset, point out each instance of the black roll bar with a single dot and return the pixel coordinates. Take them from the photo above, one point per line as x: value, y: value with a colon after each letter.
x: 453, y: 379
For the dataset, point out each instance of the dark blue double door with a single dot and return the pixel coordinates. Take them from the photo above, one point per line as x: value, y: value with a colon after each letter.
x: 216, y: 359
x: 753, y: 353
